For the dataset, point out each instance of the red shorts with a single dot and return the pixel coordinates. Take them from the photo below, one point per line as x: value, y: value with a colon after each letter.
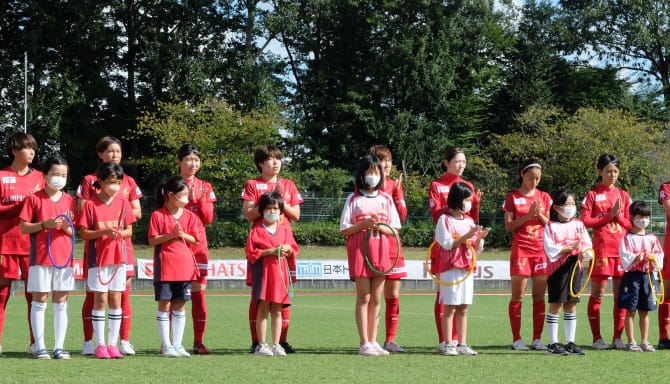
x: 526, y: 266
x: 14, y: 267
x: 605, y: 268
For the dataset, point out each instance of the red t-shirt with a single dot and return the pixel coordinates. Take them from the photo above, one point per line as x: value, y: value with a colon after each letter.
x: 607, y: 230
x: 39, y: 207
x: 13, y: 190
x: 527, y: 240
x: 438, y: 193
x: 117, y: 214
x: 174, y: 260
x: 255, y: 188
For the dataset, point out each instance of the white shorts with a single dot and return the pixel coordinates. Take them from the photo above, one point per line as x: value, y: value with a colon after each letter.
x: 456, y: 294
x: 113, y: 277
x: 43, y: 278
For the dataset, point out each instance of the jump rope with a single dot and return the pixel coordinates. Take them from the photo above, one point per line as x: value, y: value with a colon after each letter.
x: 443, y: 283
x: 72, y: 238
x: 365, y: 249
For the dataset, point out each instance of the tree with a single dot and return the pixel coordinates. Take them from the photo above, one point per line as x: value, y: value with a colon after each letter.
x: 226, y: 138
x: 629, y: 34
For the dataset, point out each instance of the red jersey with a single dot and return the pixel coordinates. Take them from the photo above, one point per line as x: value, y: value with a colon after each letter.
x: 664, y: 195
x: 607, y: 230
x: 269, y: 274
x: 201, y: 203
x: 13, y: 190
x: 39, y: 207
x: 394, y: 189
x: 439, y: 192
x: 173, y: 260
x: 527, y: 240
x: 255, y: 188
x: 117, y: 214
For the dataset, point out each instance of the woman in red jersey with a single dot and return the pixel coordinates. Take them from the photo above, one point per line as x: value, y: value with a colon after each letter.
x: 109, y: 150
x: 526, y: 213
x: 605, y: 210
x: 453, y: 165
x: 201, y: 199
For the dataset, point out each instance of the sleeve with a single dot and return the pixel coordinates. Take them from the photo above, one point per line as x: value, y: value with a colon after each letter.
x: 296, y: 197
x: 551, y: 248
x: 197, y: 228
x: 587, y: 213
x: 586, y: 242
x: 85, y: 215
x: 476, y: 203
x: 394, y: 217
x: 248, y: 192
x: 434, y: 201
x: 663, y: 192
x: 252, y: 251
x: 206, y: 204
x: 626, y: 254
x: 135, y: 191
x: 624, y: 218
x: 345, y: 217
x: 154, y: 225
x: 85, y: 188
x: 442, y: 235
x: 28, y: 210
x: 399, y: 200
x: 128, y: 217
x: 508, y: 203
x: 657, y: 251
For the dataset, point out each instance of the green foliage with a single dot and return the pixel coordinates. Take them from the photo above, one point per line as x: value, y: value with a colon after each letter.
x: 325, y: 233
x: 568, y: 147
x: 226, y: 139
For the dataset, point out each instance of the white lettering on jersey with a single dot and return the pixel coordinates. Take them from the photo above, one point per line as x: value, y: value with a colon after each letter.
x: 519, y: 200
x: 443, y: 189
x: 9, y: 180
x: 262, y: 187
x: 601, y: 197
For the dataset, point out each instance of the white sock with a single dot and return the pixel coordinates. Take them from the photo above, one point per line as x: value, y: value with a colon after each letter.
x: 163, y: 322
x: 114, y: 318
x: 552, y: 327
x: 60, y: 324
x: 37, y: 322
x: 178, y: 325
x: 570, y: 326
x: 98, y: 319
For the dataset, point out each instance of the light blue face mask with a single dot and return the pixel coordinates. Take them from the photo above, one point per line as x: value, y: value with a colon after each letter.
x: 272, y: 217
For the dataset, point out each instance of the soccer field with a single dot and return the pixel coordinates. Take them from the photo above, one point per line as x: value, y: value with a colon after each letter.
x: 324, y: 334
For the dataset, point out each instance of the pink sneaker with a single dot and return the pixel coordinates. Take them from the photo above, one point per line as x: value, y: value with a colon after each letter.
x: 114, y: 352
x: 101, y: 352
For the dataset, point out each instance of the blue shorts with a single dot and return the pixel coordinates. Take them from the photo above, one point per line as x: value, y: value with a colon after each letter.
x: 635, y: 292
x: 172, y: 290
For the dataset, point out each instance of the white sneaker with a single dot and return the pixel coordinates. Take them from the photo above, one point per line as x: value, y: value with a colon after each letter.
x: 600, y: 344
x: 465, y: 349
x: 392, y: 346
x: 263, y: 350
x: 451, y: 350
x: 181, y: 351
x: 169, y: 351
x: 126, y: 348
x: 618, y: 344
x: 88, y: 349
x: 380, y: 351
x: 538, y: 345
x: 278, y: 350
x: 519, y: 345
x: 367, y: 349
x: 442, y: 347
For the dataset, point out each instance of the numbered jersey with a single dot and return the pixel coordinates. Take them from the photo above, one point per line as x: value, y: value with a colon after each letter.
x: 527, y: 240
x: 607, y: 230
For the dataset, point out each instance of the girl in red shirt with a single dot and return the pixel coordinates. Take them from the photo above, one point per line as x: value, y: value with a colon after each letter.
x: 173, y: 230
x: 526, y: 213
x: 201, y: 201
x: 605, y: 210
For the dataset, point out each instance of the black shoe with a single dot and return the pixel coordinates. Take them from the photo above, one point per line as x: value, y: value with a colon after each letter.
x: 573, y: 349
x: 556, y: 349
x: 288, y: 348
x: 253, y: 347
x: 664, y: 344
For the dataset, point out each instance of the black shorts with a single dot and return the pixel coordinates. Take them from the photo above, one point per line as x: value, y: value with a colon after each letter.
x: 635, y: 292
x: 172, y: 290
x: 558, y: 284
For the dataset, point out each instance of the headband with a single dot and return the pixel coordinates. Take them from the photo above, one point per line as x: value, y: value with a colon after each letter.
x: 531, y: 165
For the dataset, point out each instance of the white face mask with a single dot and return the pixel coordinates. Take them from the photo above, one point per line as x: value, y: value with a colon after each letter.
x: 569, y: 212
x: 57, y: 182
x: 271, y: 217
x: 182, y: 199
x: 372, y: 180
x: 467, y: 206
x: 642, y: 223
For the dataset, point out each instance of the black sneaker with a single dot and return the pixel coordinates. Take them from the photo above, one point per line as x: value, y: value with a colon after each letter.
x: 556, y: 349
x: 288, y: 348
x: 664, y: 344
x: 573, y: 349
x: 253, y: 347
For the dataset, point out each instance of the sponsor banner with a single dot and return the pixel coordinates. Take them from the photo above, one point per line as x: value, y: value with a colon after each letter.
x: 328, y: 270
